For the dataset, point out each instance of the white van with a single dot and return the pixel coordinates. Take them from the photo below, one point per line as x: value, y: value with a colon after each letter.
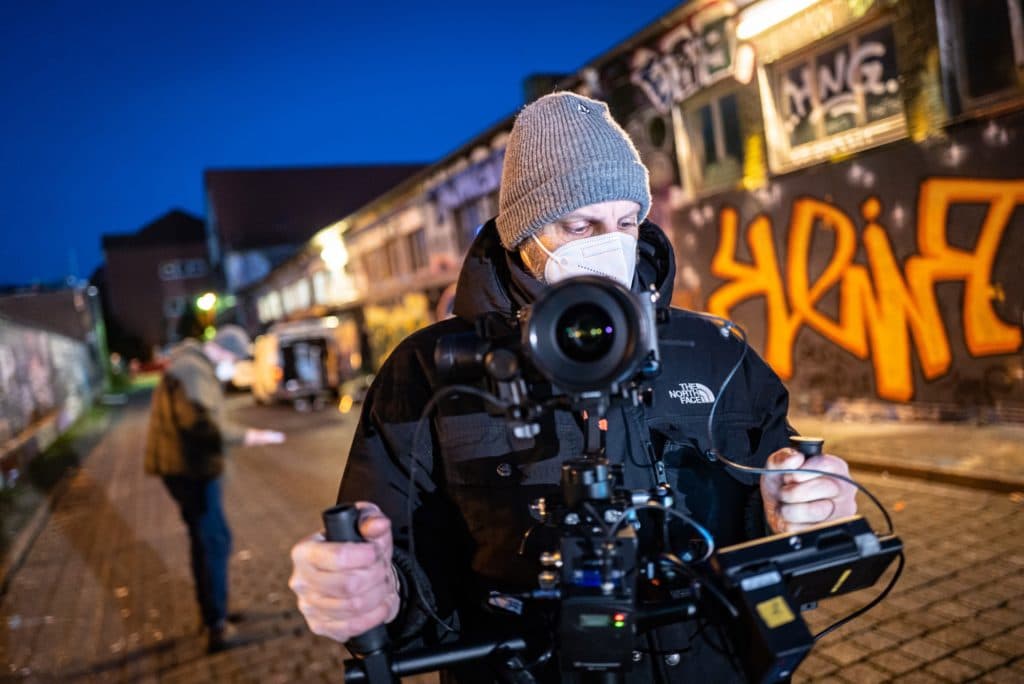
x: 306, y: 362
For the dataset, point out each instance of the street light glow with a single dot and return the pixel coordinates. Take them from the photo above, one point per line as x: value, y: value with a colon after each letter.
x: 206, y: 301
x: 332, y: 251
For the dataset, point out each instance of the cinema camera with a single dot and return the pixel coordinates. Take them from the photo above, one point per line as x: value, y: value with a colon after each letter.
x: 609, y: 572
x: 581, y: 346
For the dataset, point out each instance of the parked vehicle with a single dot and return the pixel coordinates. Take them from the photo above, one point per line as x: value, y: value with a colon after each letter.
x: 307, y: 362
x: 242, y: 379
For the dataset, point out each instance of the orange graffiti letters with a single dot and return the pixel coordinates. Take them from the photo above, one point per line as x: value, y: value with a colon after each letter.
x: 880, y: 307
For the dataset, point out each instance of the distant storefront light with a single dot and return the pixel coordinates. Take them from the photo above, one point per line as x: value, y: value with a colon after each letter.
x: 333, y: 252
x: 767, y: 14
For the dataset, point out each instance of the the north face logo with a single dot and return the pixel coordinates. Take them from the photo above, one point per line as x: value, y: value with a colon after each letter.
x: 692, y: 393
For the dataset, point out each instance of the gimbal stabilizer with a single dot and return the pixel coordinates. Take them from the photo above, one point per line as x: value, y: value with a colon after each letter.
x: 598, y: 584
x: 617, y: 562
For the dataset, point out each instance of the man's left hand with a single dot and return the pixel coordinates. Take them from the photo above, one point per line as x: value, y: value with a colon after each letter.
x: 796, y: 501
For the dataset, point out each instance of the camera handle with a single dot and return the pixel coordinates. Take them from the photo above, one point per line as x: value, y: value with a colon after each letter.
x: 341, y: 524
x: 808, y: 446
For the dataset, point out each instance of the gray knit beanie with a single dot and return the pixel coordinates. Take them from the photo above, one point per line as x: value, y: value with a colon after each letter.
x: 565, y: 152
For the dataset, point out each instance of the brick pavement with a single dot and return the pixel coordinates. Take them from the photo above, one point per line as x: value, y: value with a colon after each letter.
x: 104, y: 593
x: 957, y: 613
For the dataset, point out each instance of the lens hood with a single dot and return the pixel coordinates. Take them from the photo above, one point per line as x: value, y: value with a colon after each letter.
x: 585, y: 334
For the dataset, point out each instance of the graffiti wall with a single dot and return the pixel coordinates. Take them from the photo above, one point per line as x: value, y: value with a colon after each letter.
x: 42, y: 375
x: 895, y: 275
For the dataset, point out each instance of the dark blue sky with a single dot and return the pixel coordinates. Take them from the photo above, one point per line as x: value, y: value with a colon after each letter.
x: 111, y: 111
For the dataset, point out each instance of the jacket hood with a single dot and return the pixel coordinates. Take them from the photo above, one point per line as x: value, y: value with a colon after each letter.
x: 494, y: 279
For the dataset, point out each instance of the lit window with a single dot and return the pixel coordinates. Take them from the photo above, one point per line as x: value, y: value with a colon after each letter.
x: 320, y: 287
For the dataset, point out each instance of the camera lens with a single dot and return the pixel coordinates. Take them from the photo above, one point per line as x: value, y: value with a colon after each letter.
x: 585, y: 332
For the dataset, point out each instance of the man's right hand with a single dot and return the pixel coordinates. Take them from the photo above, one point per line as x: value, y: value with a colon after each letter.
x: 346, y: 588
x: 256, y: 437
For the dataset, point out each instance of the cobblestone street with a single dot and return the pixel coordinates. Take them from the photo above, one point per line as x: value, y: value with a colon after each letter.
x: 104, y: 592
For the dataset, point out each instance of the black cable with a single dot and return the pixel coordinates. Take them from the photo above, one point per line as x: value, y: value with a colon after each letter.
x: 783, y: 471
x: 875, y: 602
x: 414, y: 461
x: 710, y: 586
x: 730, y: 327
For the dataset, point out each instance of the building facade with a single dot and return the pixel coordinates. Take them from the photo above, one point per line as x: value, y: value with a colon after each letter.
x: 258, y: 218
x: 152, y: 278
x: 840, y: 177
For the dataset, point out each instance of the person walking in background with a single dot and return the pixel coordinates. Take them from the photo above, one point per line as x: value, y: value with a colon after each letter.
x: 186, y: 441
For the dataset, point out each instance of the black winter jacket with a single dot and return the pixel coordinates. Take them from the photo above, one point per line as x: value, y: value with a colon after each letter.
x: 471, y: 487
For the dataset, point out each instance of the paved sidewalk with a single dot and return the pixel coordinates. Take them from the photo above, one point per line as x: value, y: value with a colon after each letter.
x: 983, y: 456
x: 104, y: 592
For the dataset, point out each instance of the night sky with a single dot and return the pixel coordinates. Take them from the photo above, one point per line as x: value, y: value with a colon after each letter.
x: 111, y: 111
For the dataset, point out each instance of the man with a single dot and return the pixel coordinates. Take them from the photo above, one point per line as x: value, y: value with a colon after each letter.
x: 573, y: 199
x: 188, y: 433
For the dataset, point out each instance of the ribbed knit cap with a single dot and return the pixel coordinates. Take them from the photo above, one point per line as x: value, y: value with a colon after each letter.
x: 564, y: 152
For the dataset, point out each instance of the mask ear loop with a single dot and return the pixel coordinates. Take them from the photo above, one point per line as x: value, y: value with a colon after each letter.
x: 561, y: 260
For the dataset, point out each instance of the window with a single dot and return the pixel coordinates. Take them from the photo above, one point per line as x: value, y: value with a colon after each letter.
x: 194, y: 268
x: 847, y: 86
x: 296, y: 296
x: 470, y: 217
x: 396, y: 260
x: 713, y: 130
x: 839, y: 98
x: 991, y: 45
x: 320, y: 286
x: 416, y: 245
x: 376, y: 265
x: 179, y: 269
x: 169, y: 271
x: 269, y: 307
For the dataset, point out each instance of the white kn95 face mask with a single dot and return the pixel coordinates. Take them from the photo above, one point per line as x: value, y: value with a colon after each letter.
x: 612, y: 255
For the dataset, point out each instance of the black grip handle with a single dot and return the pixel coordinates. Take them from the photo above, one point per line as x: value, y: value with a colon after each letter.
x: 341, y: 524
x: 808, y: 446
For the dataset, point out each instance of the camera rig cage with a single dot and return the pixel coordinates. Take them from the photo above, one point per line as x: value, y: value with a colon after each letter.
x: 588, y: 344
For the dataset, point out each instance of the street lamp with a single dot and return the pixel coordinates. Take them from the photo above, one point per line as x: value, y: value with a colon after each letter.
x: 206, y: 301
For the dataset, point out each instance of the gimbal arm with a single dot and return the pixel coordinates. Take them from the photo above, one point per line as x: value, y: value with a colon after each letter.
x: 431, y: 659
